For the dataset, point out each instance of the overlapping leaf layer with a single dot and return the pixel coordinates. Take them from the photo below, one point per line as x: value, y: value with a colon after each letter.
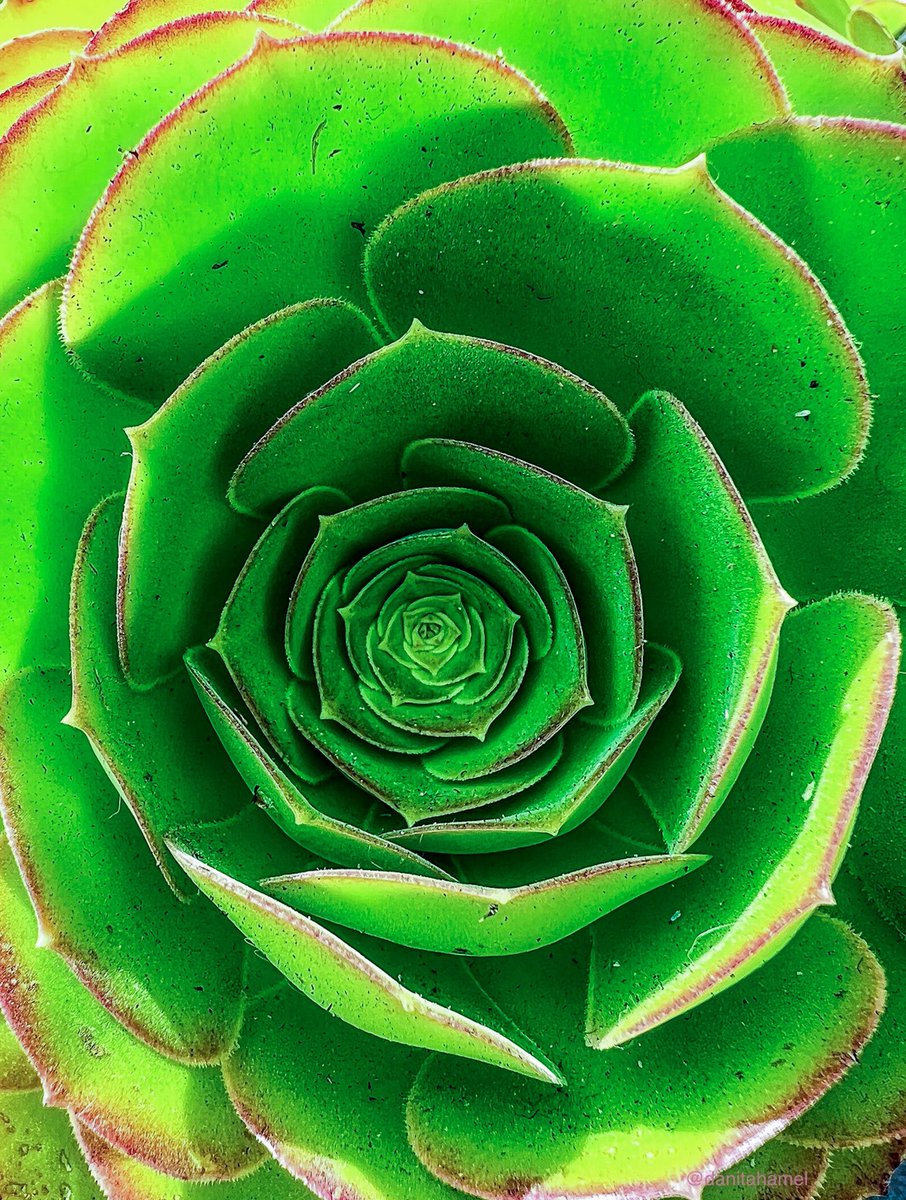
x: 418, y: 778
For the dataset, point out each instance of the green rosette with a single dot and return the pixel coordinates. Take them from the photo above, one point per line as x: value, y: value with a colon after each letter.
x: 452, y: 544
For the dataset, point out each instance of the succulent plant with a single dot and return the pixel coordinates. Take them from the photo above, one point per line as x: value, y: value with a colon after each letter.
x: 453, y: 507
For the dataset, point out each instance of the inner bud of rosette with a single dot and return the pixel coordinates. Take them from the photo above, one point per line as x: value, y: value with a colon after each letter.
x: 434, y: 640
x: 434, y: 668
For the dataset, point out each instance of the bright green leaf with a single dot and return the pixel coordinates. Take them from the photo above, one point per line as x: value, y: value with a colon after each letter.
x: 169, y: 970
x: 462, y: 918
x: 594, y: 759
x: 636, y: 278
x: 38, y: 1154
x: 690, y: 1098
x: 156, y: 745
x: 78, y: 137
x: 777, y: 843
x: 51, y: 416
x: 184, y: 1125
x: 349, y: 1137
x: 710, y: 593
x: 849, y: 223
x: 274, y: 153
x: 647, y: 83
x: 182, y: 546
x: 433, y: 385
x: 292, y: 806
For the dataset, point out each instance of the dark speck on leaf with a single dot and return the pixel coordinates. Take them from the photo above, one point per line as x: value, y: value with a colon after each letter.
x: 220, y: 265
x: 359, y: 225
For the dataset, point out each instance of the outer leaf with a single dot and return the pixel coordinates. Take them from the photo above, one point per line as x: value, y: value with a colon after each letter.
x: 790, y: 814
x: 778, y: 1171
x: 18, y: 99
x: 38, y: 1154
x: 712, y: 595
x: 127, y: 1179
x: 700, y: 266
x: 850, y: 236
x: 63, y: 142
x: 339, y: 978
x: 170, y: 971
x: 16, y: 1074
x: 349, y: 1138
x: 870, y: 1104
x: 462, y: 918
x: 863, y: 1173
x: 678, y: 53
x: 156, y: 746
x: 20, y: 17
x: 88, y: 1063
x: 824, y: 75
x: 50, y: 416
x: 689, y: 1101
x: 147, y: 298
x: 182, y: 546
x: 433, y: 385
x: 313, y: 14
x: 37, y: 52
x: 878, y: 851
x: 136, y: 17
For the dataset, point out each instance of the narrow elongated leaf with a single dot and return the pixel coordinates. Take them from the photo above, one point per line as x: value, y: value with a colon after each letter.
x: 64, y: 142
x: 184, y: 1125
x: 349, y: 1138
x: 156, y: 746
x: 563, y: 289
x: 182, y: 546
x: 686, y: 52
x: 790, y: 815
x: 50, y: 416
x: 275, y: 169
x: 170, y: 971
x: 687, y: 1102
x: 461, y: 918
x: 337, y: 977
x: 712, y: 595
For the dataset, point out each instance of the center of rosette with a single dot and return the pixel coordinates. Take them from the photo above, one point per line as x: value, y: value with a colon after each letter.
x: 433, y: 648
